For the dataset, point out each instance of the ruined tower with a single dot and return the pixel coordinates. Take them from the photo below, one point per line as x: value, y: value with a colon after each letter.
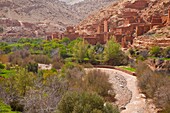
x: 98, y: 29
x: 169, y: 16
x: 106, y: 25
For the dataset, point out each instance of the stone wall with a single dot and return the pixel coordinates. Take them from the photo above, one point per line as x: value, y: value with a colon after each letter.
x: 138, y: 4
x: 156, y: 20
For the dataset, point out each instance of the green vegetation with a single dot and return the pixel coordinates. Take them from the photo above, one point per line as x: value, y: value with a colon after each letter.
x: 26, y: 83
x: 79, y: 51
x: 165, y: 59
x: 6, y: 108
x: 127, y: 68
x: 84, y: 103
x: 113, y: 54
x: 155, y: 51
x: 41, y: 51
x: 24, y: 87
x: 160, y: 58
x: 2, y: 66
x: 6, y: 73
x: 66, y: 87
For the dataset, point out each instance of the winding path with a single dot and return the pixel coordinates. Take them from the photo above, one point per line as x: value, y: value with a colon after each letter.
x: 136, y: 103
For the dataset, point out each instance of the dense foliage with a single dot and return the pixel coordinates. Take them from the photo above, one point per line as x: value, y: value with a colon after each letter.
x: 41, y: 51
x: 29, y: 89
x: 66, y: 88
x: 154, y: 52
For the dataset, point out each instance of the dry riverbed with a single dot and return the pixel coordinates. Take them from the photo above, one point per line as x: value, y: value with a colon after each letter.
x: 129, y: 99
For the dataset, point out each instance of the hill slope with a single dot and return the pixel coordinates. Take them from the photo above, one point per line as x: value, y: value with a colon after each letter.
x: 145, y: 10
x: 53, y: 12
x: 46, y: 11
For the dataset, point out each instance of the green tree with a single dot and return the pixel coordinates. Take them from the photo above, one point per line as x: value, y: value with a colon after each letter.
x: 16, y: 87
x: 80, y: 50
x: 6, y: 49
x: 19, y: 83
x: 91, y: 54
x: 113, y: 54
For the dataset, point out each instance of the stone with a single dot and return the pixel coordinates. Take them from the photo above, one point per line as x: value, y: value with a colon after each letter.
x: 122, y: 108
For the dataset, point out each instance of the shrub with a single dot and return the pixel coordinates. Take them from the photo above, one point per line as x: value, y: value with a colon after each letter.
x: 4, y: 58
x: 57, y: 62
x: 43, y: 59
x: 32, y: 67
x: 21, y: 58
x: 132, y: 52
x: 97, y: 81
x: 155, y: 85
x: 5, y: 108
x: 167, y: 52
x: 155, y: 51
x: 73, y: 74
x: 2, y: 66
x: 1, y: 30
x: 7, y: 49
x: 82, y: 102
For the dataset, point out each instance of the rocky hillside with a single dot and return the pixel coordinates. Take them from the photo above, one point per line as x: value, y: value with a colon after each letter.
x: 118, y: 7
x: 115, y: 13
x: 71, y: 2
x: 53, y: 12
x: 158, y: 35
x: 46, y: 11
x: 87, y: 7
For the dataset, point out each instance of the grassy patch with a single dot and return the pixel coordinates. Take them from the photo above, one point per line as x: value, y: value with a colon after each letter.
x: 6, y: 108
x: 6, y: 73
x: 158, y: 35
x: 160, y: 58
x: 127, y: 68
x: 165, y: 59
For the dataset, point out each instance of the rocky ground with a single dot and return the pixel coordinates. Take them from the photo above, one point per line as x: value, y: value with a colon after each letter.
x: 123, y: 94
